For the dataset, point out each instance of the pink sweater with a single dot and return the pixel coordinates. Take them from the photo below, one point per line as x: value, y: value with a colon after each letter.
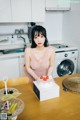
x: 39, y: 59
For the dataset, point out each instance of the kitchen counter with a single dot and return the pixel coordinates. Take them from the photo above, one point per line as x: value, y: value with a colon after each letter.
x: 65, y: 107
x: 11, y: 46
x: 11, y: 55
x: 11, y: 50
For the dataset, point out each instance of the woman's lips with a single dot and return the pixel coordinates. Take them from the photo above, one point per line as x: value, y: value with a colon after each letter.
x: 39, y: 43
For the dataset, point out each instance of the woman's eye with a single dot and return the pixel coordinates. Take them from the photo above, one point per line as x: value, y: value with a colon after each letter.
x: 42, y: 36
x: 35, y: 37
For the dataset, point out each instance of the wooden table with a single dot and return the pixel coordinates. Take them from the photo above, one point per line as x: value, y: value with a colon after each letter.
x: 65, y: 107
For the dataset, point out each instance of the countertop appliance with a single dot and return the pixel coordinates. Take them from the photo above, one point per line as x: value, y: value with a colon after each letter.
x: 65, y: 60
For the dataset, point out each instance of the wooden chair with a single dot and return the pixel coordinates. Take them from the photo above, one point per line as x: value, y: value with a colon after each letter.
x: 15, y: 81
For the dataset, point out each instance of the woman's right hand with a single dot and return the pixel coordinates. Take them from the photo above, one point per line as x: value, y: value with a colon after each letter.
x: 37, y: 78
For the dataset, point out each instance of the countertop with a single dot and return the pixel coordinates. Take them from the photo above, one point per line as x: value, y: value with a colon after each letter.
x: 11, y: 50
x: 65, y: 107
x: 11, y: 55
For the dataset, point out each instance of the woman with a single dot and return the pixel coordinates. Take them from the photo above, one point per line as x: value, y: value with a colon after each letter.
x: 40, y: 57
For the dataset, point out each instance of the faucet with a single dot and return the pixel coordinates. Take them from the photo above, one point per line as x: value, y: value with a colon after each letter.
x: 19, y: 36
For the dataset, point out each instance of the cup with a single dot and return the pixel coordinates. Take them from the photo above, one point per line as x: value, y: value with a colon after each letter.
x: 17, y: 31
x: 21, y: 31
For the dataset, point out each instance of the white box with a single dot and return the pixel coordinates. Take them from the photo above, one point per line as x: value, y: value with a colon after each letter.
x: 44, y: 92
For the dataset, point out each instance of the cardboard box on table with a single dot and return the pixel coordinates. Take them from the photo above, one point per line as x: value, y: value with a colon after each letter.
x: 44, y: 92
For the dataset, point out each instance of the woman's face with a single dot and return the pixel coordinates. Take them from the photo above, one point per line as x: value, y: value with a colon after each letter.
x: 39, y: 39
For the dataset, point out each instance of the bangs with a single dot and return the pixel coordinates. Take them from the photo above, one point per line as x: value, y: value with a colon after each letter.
x: 38, y: 33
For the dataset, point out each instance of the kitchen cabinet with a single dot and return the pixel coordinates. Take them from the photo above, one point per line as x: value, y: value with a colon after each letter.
x: 57, y: 4
x: 5, y: 11
x: 38, y: 11
x: 12, y: 65
x: 22, y: 10
x: 64, y: 4
x: 9, y: 67
x: 21, y: 65
x: 28, y: 10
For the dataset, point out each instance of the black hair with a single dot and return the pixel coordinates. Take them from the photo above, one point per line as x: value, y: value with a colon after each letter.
x: 40, y: 30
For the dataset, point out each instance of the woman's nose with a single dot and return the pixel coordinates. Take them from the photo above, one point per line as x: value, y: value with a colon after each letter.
x: 39, y: 38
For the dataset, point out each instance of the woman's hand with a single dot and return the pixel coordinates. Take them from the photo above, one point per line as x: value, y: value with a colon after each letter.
x: 37, y: 78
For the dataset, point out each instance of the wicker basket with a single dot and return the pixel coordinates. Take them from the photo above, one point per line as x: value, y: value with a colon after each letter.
x: 72, y: 84
x: 19, y: 108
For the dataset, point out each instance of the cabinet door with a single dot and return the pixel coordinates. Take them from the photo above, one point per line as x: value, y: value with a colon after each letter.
x: 64, y: 4
x: 38, y: 11
x: 9, y: 67
x: 51, y: 4
x: 57, y: 4
x: 21, y: 65
x: 21, y: 10
x: 5, y: 11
